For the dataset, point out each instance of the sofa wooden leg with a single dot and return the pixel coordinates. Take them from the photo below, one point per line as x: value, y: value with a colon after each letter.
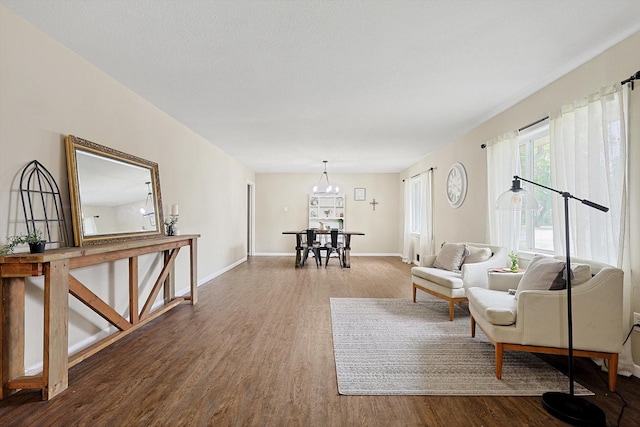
x: 499, y: 352
x: 414, y: 293
x: 613, y: 371
x: 473, y: 327
x: 452, y: 306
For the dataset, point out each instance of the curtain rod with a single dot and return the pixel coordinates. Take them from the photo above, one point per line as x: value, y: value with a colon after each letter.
x: 636, y: 76
x: 424, y: 171
x: 483, y: 146
x: 533, y: 124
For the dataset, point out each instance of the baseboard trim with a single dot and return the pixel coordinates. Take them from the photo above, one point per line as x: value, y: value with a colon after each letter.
x: 216, y: 274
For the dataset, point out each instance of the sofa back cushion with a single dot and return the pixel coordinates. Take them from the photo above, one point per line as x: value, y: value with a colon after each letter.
x: 451, y: 256
x: 476, y: 254
x: 543, y: 273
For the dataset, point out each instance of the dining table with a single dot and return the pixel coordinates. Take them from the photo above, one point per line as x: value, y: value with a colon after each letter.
x: 346, y: 253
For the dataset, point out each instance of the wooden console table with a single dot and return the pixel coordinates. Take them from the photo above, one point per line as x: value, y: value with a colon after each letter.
x: 55, y: 266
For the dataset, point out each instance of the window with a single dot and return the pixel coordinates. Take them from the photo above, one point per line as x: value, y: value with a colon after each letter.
x: 536, y: 230
x: 415, y: 204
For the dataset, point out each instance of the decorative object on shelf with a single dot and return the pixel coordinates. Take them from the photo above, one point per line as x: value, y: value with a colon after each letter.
x: 340, y: 202
x: 171, y: 221
x: 359, y: 194
x: 327, y: 213
x: 565, y: 406
x: 374, y: 203
x: 456, y: 185
x: 514, y: 262
x: 326, y: 187
x: 42, y: 205
x: 34, y: 238
x: 313, y: 201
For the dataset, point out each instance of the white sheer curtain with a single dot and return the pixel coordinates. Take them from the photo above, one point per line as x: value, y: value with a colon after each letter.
x: 589, y: 160
x: 426, y: 210
x: 407, y: 247
x: 503, y: 162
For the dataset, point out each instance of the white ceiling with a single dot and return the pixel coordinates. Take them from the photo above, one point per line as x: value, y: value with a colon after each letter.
x: 371, y: 86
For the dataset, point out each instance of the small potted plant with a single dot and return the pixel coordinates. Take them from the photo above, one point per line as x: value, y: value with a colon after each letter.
x: 34, y: 239
x: 514, y: 262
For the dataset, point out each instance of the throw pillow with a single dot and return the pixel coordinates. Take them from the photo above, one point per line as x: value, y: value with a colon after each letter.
x: 451, y: 256
x: 581, y: 273
x: 543, y: 273
x: 477, y: 254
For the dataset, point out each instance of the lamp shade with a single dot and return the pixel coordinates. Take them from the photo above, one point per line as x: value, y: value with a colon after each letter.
x: 517, y: 199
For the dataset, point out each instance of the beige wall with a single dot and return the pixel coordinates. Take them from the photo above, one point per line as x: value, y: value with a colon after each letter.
x: 469, y: 222
x: 275, y: 192
x: 47, y: 92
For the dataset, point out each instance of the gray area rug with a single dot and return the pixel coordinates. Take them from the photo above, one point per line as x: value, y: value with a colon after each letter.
x: 397, y: 347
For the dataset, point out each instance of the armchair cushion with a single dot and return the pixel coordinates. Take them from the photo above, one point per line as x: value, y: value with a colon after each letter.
x: 447, y: 279
x: 550, y: 273
x: 477, y: 254
x: 542, y: 273
x: 499, y: 308
x: 451, y: 256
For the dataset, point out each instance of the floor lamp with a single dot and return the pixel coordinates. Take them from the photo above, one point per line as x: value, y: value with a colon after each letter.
x: 566, y: 407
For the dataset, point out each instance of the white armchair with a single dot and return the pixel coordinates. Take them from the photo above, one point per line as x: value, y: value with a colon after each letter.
x: 537, y: 320
x: 451, y: 284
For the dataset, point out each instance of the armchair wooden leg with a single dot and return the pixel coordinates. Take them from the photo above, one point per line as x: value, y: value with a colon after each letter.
x: 613, y: 371
x: 414, y: 292
x: 452, y: 306
x: 499, y: 351
x: 473, y: 327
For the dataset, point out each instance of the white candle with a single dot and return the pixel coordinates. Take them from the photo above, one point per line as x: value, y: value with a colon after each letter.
x: 174, y: 210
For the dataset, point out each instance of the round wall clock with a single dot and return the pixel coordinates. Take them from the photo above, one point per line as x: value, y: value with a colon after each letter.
x: 456, y: 185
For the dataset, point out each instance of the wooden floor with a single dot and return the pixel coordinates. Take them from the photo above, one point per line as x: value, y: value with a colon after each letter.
x: 257, y: 351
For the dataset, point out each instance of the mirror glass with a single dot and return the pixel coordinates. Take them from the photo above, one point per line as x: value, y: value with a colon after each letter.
x: 114, y: 196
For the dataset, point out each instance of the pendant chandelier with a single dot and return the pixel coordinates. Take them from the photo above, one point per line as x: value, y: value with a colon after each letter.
x: 324, y: 186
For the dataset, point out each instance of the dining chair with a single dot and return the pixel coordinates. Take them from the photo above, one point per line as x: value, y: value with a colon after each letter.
x: 334, y: 245
x: 311, y: 245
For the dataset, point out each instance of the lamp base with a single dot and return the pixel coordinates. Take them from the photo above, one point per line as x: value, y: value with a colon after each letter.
x: 573, y: 410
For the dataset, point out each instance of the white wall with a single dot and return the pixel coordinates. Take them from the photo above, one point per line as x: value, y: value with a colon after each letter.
x: 48, y: 92
x: 469, y: 222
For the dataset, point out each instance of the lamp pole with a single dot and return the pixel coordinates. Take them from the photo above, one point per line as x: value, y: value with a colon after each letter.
x: 568, y: 407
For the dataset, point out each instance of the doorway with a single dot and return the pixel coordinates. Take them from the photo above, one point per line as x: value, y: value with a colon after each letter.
x: 251, y: 223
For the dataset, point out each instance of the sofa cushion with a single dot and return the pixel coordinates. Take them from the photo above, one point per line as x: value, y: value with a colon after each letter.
x: 445, y: 278
x: 477, y: 254
x: 497, y: 307
x: 543, y: 273
x: 451, y: 256
x: 581, y: 273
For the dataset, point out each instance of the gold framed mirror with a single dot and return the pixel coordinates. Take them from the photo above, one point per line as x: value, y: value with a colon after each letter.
x: 114, y: 196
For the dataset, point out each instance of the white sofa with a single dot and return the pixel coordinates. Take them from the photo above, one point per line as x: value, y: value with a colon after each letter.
x: 451, y: 285
x: 537, y: 320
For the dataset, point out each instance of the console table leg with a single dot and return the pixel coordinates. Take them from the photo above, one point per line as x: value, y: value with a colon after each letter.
x: 193, y: 254
x: 12, y: 332
x: 56, y: 307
